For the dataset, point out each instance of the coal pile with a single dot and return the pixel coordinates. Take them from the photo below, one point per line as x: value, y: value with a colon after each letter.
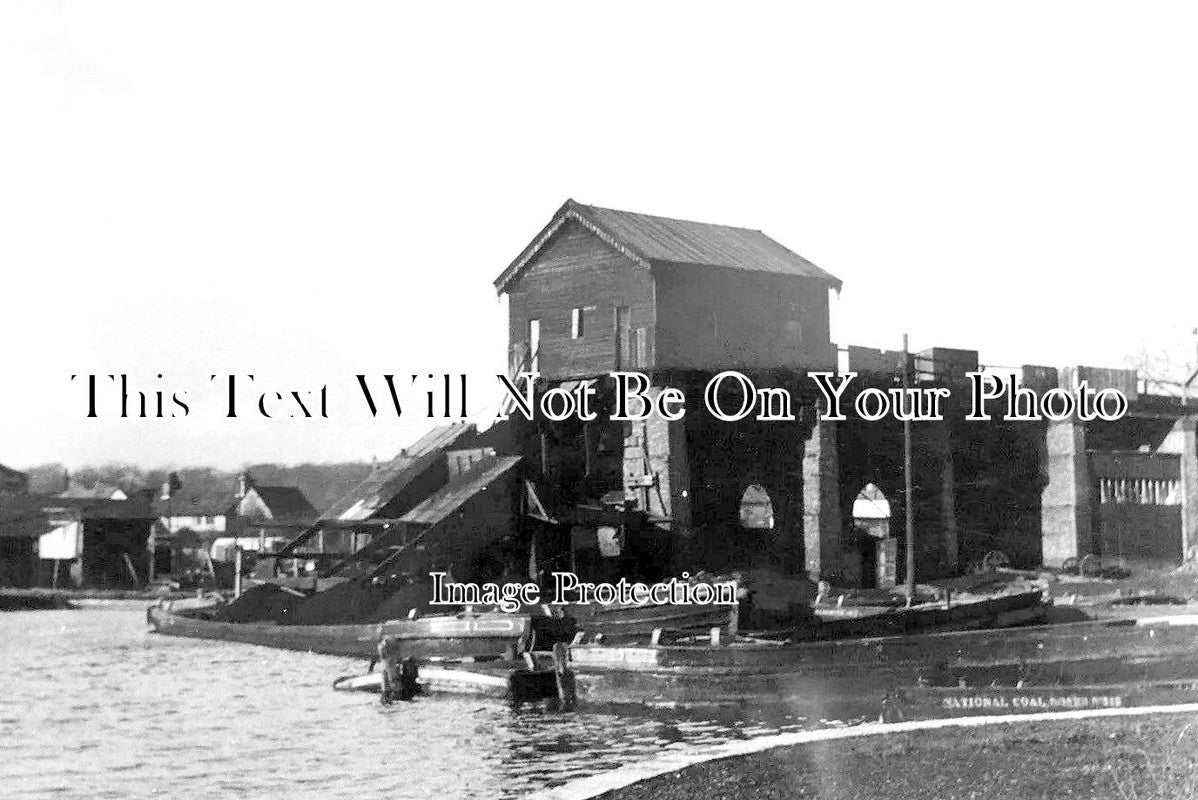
x: 357, y: 601
x: 403, y: 599
x: 343, y: 604
x: 265, y: 603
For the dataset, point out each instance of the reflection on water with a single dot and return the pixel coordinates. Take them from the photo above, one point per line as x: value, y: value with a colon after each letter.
x: 95, y: 706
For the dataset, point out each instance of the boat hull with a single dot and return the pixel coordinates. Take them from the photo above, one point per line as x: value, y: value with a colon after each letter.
x: 623, y: 622
x: 940, y: 702
x: 359, y: 641
x: 1002, y: 611
x: 826, y: 678
x: 458, y: 637
x: 501, y: 680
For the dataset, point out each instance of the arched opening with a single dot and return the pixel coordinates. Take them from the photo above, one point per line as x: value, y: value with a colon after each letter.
x: 756, y: 509
x: 877, y: 548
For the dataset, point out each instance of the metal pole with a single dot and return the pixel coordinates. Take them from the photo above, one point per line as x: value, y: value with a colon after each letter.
x: 907, y: 481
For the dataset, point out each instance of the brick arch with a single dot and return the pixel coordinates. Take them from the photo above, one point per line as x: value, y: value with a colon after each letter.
x: 780, y: 547
x: 728, y: 543
x: 892, y: 492
x: 871, y: 453
x: 758, y: 515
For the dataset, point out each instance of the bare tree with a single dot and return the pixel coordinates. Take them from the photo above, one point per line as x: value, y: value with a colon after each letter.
x: 1167, y: 366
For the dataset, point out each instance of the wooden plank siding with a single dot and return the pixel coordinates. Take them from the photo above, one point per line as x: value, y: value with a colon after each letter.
x: 578, y: 270
x: 712, y: 318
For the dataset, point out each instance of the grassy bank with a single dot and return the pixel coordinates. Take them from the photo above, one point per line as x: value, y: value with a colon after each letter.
x: 1130, y: 758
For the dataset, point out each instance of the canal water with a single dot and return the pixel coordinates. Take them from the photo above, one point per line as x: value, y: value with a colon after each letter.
x: 94, y: 706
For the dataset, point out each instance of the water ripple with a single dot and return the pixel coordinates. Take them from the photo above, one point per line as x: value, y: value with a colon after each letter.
x: 106, y: 710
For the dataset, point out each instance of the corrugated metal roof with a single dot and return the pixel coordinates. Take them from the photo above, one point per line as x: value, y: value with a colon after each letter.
x: 649, y: 239
x: 382, y: 485
x: 450, y: 497
x: 32, y: 506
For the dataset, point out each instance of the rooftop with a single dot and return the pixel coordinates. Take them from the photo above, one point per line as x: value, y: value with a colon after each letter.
x: 382, y: 485
x: 650, y: 240
x: 286, y: 502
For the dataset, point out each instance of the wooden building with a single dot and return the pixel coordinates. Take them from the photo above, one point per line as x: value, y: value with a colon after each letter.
x: 600, y: 290
x: 72, y: 541
x: 263, y: 519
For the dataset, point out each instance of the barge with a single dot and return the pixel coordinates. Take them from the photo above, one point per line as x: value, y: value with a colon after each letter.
x: 444, y: 636
x: 1048, y: 667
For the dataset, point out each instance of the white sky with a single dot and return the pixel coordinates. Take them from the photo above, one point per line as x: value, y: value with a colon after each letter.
x: 308, y: 191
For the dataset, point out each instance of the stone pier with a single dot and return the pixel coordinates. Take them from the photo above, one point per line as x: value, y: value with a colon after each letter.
x: 1189, y: 488
x: 1067, y: 518
x: 821, y: 502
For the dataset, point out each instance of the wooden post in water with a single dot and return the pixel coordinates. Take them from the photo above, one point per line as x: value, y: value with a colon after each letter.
x: 399, y: 674
x: 907, y: 481
x: 237, y: 571
x: 390, y: 676
x: 152, y: 547
x: 567, y: 692
x: 132, y: 569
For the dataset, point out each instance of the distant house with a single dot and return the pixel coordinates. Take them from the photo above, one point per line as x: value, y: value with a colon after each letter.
x: 204, y: 513
x: 187, y: 523
x: 263, y: 518
x: 271, y: 503
x: 13, y: 481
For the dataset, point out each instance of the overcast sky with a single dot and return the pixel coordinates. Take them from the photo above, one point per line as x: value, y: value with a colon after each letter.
x: 309, y: 191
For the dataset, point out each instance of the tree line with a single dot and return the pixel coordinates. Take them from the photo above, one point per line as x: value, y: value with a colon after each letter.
x: 322, y: 483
